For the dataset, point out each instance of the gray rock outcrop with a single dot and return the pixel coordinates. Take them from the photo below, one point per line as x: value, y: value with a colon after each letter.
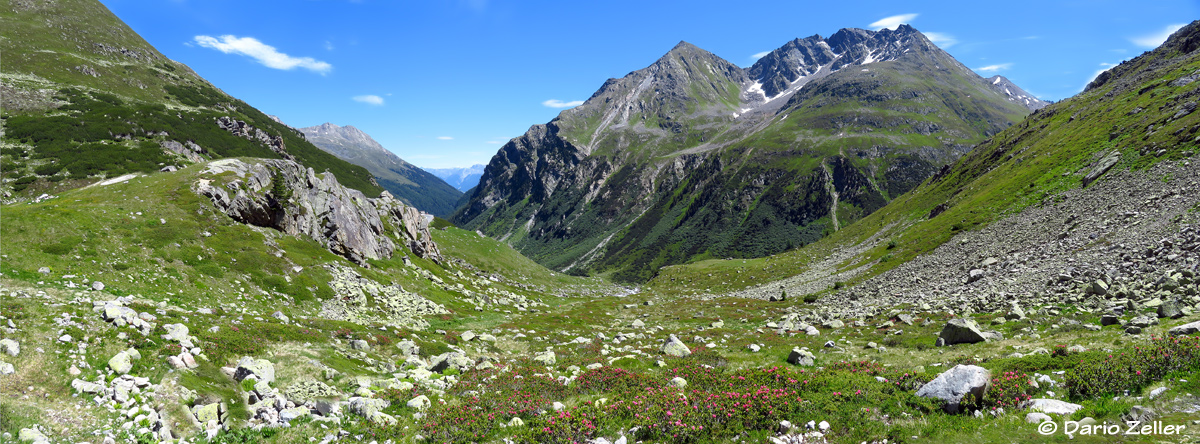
x: 343, y: 220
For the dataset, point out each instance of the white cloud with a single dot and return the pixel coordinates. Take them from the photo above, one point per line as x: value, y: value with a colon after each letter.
x: 760, y: 55
x: 369, y: 99
x: 1157, y: 38
x: 445, y: 138
x: 328, y: 45
x: 262, y: 53
x: 994, y: 68
x: 893, y: 22
x: 943, y: 40
x: 555, y: 103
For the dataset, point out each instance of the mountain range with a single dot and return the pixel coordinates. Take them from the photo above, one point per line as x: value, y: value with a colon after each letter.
x: 461, y: 178
x: 406, y: 182
x: 694, y: 157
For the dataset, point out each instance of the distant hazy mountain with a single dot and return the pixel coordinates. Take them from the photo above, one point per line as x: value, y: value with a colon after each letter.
x: 461, y: 178
x: 404, y: 180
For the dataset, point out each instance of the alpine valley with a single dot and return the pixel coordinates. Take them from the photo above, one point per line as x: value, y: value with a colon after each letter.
x: 694, y: 157
x: 856, y: 239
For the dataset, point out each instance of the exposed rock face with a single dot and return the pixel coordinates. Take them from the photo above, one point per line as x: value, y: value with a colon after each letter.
x: 343, y: 220
x: 248, y: 132
x: 956, y: 384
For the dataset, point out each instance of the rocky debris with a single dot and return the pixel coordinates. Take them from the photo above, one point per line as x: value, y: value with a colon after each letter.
x: 954, y: 386
x: 960, y: 331
x: 1142, y: 257
x: 801, y: 357
x: 1185, y: 329
x: 343, y: 220
x: 118, y: 314
x: 7, y: 368
x: 1053, y: 406
x: 675, y: 347
x: 392, y: 305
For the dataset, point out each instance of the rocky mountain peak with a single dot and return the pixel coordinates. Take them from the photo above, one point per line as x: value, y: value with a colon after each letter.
x: 813, y: 57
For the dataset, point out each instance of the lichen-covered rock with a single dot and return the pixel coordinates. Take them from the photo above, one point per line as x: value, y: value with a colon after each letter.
x: 675, y: 347
x: 546, y: 358
x: 367, y: 407
x: 1185, y: 329
x: 262, y: 369
x: 1055, y: 406
x: 10, y: 347
x: 420, y: 403
x: 309, y: 390
x: 955, y: 385
x: 122, y: 363
x: 801, y: 357
x: 448, y: 360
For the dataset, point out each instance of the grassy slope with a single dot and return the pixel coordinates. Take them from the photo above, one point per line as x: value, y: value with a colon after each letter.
x: 47, y: 47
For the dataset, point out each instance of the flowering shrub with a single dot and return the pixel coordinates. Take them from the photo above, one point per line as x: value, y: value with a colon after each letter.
x: 1060, y: 350
x: 575, y: 426
x: 1133, y: 368
x: 1008, y: 391
x: 613, y: 380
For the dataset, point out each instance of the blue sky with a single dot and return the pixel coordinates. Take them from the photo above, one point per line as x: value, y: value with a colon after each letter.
x: 444, y: 83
